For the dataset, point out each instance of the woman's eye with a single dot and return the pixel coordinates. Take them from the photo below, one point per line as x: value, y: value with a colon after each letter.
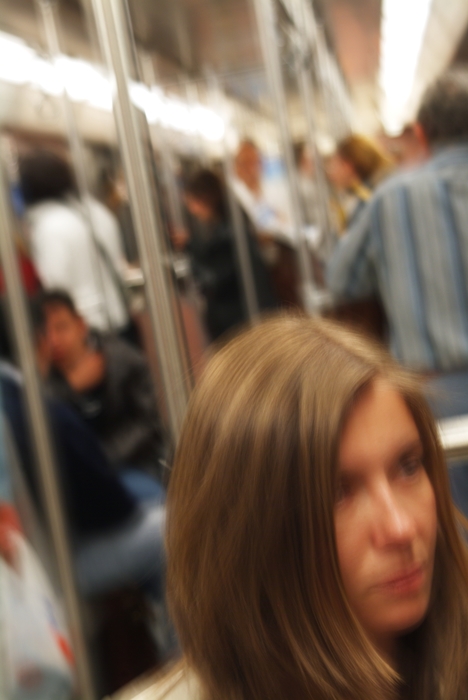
x: 411, y: 466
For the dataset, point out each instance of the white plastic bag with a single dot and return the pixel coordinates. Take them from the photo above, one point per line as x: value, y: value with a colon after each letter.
x: 38, y: 662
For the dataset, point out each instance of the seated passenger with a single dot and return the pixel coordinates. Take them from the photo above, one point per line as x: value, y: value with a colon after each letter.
x: 27, y: 670
x: 212, y: 250
x: 108, y: 382
x: 313, y: 548
x: 116, y: 540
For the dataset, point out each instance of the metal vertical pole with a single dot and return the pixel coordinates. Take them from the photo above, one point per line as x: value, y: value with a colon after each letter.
x: 42, y: 441
x: 113, y: 33
x: 240, y: 233
x: 173, y: 196
x: 48, y: 10
x: 265, y: 15
x: 324, y: 69
x: 307, y: 99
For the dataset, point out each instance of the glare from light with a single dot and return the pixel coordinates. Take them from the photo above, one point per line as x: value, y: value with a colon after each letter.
x: 143, y: 98
x: 208, y: 124
x: 173, y: 113
x: 16, y: 59
x: 402, y: 32
x: 177, y: 116
x: 44, y: 77
x: 86, y: 83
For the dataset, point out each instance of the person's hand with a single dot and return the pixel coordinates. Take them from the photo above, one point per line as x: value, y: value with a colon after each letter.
x: 179, y: 238
x: 9, y: 524
x: 88, y: 373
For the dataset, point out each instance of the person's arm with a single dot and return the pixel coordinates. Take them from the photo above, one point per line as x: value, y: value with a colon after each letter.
x: 95, y: 498
x: 351, y: 272
x: 142, y: 427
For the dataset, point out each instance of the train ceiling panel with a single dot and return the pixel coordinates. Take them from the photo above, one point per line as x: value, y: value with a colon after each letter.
x: 199, y: 34
x: 21, y: 18
x: 355, y: 29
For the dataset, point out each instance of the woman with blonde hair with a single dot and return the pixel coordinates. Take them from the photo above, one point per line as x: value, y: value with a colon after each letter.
x: 313, y: 548
x: 357, y: 166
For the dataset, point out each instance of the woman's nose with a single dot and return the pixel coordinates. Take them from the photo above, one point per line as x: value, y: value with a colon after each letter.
x: 393, y: 523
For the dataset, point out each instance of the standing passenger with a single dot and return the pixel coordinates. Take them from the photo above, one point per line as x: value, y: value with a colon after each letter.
x: 270, y: 221
x: 212, y: 249
x: 355, y: 169
x: 410, y: 244
x: 267, y: 216
x: 68, y: 254
x: 313, y: 548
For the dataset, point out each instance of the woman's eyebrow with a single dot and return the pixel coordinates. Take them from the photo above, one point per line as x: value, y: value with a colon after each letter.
x: 411, y: 447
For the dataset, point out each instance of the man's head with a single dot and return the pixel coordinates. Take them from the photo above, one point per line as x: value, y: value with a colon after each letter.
x: 443, y: 113
x: 64, y: 331
x: 44, y: 176
x: 248, y: 164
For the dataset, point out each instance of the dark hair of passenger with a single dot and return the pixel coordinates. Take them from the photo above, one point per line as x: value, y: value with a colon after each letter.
x: 56, y: 297
x: 207, y: 187
x: 44, y: 175
x: 443, y: 113
x: 298, y: 152
x: 254, y: 582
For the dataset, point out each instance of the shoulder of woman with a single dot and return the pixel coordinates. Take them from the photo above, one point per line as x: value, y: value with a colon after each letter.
x: 178, y: 684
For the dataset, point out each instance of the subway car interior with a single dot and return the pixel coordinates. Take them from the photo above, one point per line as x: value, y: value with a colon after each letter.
x: 172, y: 171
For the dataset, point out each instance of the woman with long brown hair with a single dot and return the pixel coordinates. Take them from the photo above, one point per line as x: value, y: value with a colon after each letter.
x: 313, y: 548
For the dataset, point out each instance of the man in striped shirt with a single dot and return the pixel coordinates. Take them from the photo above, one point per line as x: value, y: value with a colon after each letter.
x: 410, y: 244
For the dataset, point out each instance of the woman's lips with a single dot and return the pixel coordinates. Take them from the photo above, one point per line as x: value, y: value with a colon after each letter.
x: 404, y: 582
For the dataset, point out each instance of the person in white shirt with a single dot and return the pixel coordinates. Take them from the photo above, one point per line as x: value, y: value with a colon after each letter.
x: 264, y: 212
x: 75, y: 244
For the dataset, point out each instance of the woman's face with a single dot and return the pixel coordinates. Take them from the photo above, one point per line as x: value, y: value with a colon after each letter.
x: 340, y: 172
x: 199, y: 209
x: 385, y: 516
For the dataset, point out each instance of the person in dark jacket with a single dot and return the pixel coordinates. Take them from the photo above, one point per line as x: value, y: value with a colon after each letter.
x: 117, y: 539
x: 101, y: 511
x: 107, y: 381
x: 211, y: 247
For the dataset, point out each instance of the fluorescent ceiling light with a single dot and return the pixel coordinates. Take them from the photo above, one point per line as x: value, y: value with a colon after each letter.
x: 86, y: 83
x: 44, y: 76
x: 16, y: 59
x: 402, y: 32
x: 208, y: 124
x: 174, y: 113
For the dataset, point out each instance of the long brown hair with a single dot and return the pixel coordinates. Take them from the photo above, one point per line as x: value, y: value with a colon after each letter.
x: 253, y: 578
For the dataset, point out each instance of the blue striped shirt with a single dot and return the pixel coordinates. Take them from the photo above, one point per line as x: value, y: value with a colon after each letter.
x: 410, y: 247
